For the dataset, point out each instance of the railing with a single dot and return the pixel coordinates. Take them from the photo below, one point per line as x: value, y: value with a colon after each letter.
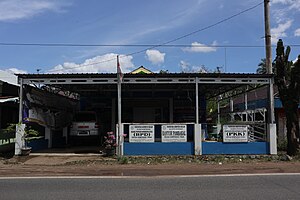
x: 7, y: 141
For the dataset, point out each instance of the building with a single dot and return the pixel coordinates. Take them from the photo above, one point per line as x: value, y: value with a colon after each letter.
x: 9, y: 107
x: 161, y: 113
x: 258, y: 99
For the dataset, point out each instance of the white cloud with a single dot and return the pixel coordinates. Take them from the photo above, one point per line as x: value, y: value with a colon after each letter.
x: 184, y: 66
x: 282, y: 9
x: 100, y: 64
x: 188, y: 68
x: 202, y: 48
x: 281, y: 1
x: 11, y: 10
x: 292, y: 4
x: 280, y: 31
x: 8, y: 76
x: 155, y: 57
x: 297, y: 32
x: 15, y: 71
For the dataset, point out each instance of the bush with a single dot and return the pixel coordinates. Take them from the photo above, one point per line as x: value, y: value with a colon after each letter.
x: 122, y: 160
x: 282, y: 145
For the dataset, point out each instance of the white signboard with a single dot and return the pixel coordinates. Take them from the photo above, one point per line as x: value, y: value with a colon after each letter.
x: 141, y: 133
x: 173, y: 133
x: 235, y: 133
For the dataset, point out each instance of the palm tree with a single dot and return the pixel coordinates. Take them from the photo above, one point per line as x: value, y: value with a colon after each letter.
x: 262, y: 67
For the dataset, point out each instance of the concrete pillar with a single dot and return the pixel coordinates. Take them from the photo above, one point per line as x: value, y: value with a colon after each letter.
x: 197, y: 100
x: 231, y: 110
x: 113, y: 115
x: 171, y: 110
x: 48, y: 135
x: 272, y: 138
x: 65, y: 133
x: 120, y: 140
x: 197, y: 139
x: 20, y: 142
x: 246, y: 102
x: 20, y: 128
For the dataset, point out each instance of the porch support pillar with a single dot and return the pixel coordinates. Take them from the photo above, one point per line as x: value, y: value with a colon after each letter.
x: 113, y: 115
x: 197, y: 127
x: 20, y: 127
x: 48, y: 135
x: 272, y: 135
x: 219, y: 126
x: 171, y: 108
x: 197, y: 100
x: 246, y: 102
x: 231, y: 109
x: 65, y: 133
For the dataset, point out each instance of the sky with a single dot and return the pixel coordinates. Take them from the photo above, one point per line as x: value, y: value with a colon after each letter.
x: 235, y: 45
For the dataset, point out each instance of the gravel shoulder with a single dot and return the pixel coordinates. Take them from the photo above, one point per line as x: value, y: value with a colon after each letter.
x: 96, y: 165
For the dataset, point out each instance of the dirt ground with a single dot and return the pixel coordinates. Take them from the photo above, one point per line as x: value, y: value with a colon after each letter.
x: 96, y: 165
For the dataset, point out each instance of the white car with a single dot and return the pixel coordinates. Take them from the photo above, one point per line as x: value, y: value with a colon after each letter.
x: 84, y: 124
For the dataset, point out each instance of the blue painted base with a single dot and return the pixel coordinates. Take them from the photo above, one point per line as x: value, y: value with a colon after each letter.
x: 58, y: 142
x: 38, y: 144
x: 159, y: 148
x: 235, y: 148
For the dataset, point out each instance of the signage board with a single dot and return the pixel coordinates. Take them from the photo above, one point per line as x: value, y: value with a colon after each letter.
x: 173, y: 133
x: 235, y: 133
x: 141, y: 133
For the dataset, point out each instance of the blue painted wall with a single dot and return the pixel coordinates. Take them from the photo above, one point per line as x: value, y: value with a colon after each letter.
x: 260, y: 103
x: 235, y: 148
x: 38, y: 144
x: 159, y: 148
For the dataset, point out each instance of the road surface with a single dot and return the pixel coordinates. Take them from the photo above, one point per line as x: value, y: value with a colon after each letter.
x: 164, y: 187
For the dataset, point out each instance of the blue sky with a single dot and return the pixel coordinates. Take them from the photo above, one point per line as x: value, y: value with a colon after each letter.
x: 134, y: 22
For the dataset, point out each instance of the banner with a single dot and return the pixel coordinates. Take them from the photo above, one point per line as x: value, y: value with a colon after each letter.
x: 235, y: 133
x: 141, y: 133
x: 173, y: 133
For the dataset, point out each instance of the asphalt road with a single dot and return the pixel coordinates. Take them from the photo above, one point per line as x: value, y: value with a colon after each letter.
x: 200, y: 187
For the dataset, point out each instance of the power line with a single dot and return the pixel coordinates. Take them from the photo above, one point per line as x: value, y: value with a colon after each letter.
x: 178, y: 38
x: 138, y: 45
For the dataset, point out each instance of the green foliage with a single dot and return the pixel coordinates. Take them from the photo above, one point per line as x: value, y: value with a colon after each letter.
x: 122, y: 160
x: 29, y: 133
x: 287, y: 79
x: 164, y: 71
x: 282, y: 145
x: 262, y: 67
x: 10, y: 128
x: 212, y: 106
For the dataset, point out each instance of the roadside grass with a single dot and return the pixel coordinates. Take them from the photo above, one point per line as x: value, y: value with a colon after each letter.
x: 155, y: 160
x: 177, y: 160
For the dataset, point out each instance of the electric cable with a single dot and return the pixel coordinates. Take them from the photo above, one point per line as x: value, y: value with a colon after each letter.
x: 165, y: 44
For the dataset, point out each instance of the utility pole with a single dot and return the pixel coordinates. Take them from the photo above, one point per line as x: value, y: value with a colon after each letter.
x: 268, y: 37
x: 271, y: 118
x: 269, y: 59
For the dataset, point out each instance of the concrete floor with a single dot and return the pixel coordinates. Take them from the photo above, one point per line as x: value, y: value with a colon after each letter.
x: 73, y: 149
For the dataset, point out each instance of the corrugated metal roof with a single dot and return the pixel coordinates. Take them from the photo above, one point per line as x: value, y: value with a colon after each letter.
x: 167, y: 75
x: 8, y: 99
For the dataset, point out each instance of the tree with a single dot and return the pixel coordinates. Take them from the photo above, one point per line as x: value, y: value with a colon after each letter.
x: 287, y: 79
x: 262, y: 67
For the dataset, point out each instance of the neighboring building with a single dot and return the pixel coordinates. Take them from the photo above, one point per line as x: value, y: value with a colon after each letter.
x: 9, y: 107
x: 141, y: 70
x: 257, y: 99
